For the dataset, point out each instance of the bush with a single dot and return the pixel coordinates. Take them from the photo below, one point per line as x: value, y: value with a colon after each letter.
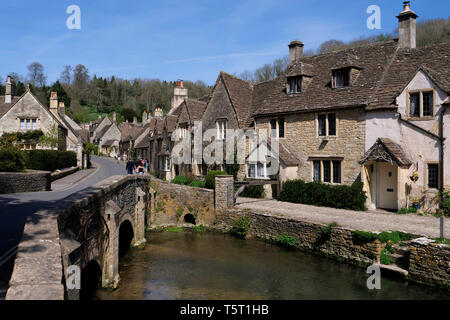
x: 407, y: 210
x: 446, y: 204
x: 11, y: 159
x: 210, y: 181
x: 241, y: 226
x: 253, y: 192
x: 385, y: 237
x: 287, y: 241
x: 50, y: 160
x: 197, y: 184
x: 180, y: 180
x: 319, y: 194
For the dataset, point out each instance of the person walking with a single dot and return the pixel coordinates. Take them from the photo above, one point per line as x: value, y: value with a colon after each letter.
x: 130, y: 167
x: 140, y: 169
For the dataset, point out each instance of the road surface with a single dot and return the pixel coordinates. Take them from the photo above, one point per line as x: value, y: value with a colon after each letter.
x: 16, y: 208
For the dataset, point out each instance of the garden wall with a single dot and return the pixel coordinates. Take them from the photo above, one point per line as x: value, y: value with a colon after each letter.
x: 29, y: 181
x: 170, y: 203
x: 339, y: 244
x: 429, y: 263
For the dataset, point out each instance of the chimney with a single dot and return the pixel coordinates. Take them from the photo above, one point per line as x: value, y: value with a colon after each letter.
x: 144, y: 116
x: 134, y: 120
x: 54, y: 103
x: 9, y: 93
x: 180, y: 83
x: 158, y: 112
x: 99, y: 117
x: 114, y: 117
x: 62, y: 109
x: 407, y: 27
x: 295, y: 50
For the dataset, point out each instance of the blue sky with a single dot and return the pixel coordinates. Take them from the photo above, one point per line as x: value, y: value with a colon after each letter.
x: 188, y: 39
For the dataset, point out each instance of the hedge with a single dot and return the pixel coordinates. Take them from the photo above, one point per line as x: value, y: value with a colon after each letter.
x: 210, y: 181
x: 11, y: 159
x: 324, y: 195
x: 253, y: 192
x: 50, y: 160
x: 197, y: 184
x: 180, y: 180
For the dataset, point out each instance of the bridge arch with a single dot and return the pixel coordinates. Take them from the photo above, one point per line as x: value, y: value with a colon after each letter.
x: 126, y: 235
x: 91, y: 277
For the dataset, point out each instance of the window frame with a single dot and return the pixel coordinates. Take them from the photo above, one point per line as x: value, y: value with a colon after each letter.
x: 297, y: 81
x: 322, y: 174
x: 346, y: 70
x: 28, y: 124
x: 278, y: 129
x: 421, y: 93
x: 438, y: 178
x: 255, y: 170
x: 327, y: 124
x: 221, y: 127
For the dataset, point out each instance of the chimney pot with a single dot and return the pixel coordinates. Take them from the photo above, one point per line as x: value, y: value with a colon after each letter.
x: 295, y: 50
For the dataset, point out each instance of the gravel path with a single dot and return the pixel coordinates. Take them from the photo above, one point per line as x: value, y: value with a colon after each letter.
x: 368, y: 221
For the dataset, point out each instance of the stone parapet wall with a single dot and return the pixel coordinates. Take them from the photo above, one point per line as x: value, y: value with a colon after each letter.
x: 429, y: 263
x: 62, y: 174
x: 170, y: 203
x: 29, y: 181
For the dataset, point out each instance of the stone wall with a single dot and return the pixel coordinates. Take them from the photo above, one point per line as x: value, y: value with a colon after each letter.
x: 170, y: 203
x: 429, y: 263
x: 29, y: 181
x: 340, y: 244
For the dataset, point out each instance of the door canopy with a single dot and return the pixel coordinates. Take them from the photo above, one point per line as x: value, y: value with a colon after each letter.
x: 386, y: 150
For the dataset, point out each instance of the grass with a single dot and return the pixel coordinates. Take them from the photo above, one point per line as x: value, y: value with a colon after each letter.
x: 384, y: 258
x: 241, y: 225
x: 286, y: 240
x: 407, y: 210
x: 385, y: 237
x: 174, y: 229
x: 442, y: 241
x: 201, y: 229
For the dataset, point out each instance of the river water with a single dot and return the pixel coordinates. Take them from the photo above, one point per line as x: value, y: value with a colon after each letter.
x: 200, y: 266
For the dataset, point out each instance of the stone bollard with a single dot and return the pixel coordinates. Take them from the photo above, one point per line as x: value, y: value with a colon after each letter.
x: 139, y: 219
x: 224, y: 192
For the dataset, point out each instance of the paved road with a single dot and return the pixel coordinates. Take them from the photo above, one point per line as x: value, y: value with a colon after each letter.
x: 16, y: 208
x: 368, y: 221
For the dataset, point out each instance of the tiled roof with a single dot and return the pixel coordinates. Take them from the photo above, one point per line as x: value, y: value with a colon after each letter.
x: 170, y: 123
x: 4, y: 107
x: 270, y: 97
x: 240, y: 93
x: 195, y: 109
x: 433, y: 60
x: 385, y: 149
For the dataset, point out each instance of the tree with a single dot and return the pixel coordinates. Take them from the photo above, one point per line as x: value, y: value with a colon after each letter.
x: 66, y: 75
x: 36, y: 74
x: 128, y: 114
x: 62, y: 94
x: 331, y: 45
x: 50, y: 139
x: 20, y: 89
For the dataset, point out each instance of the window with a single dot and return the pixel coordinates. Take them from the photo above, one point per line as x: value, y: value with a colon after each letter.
x: 322, y: 124
x: 221, y: 126
x: 317, y: 172
x: 336, y: 172
x: 433, y: 176
x: 183, y: 131
x: 277, y: 128
x: 421, y: 104
x: 295, y: 85
x: 427, y: 104
x: 257, y: 170
x: 164, y: 163
x: 326, y: 124
x: 341, y: 78
x: 327, y: 171
x: 28, y: 124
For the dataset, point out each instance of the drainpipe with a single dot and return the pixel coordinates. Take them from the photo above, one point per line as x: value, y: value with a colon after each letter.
x: 441, y: 154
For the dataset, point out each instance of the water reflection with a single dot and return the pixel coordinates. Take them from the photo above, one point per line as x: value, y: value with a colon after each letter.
x: 209, y: 266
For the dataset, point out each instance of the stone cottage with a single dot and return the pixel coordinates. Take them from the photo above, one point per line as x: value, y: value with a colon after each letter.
x: 27, y: 113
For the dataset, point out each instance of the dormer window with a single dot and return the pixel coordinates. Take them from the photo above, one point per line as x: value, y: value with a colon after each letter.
x: 341, y: 78
x: 295, y: 84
